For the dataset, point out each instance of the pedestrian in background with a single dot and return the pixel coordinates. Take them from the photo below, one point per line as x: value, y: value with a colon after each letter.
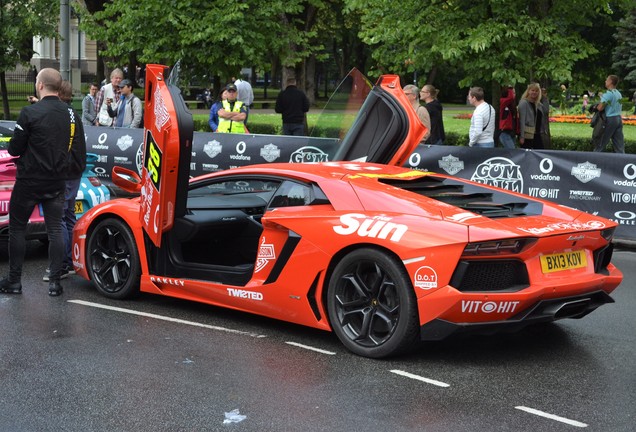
x: 293, y: 105
x: 213, y: 120
x: 232, y: 112
x: 128, y: 113
x: 507, y: 117
x: 245, y: 95
x: 413, y: 95
x: 44, y: 140
x: 107, y: 96
x: 70, y: 193
x: 482, y: 122
x: 530, y: 117
x: 429, y: 95
x: 89, y: 113
x: 584, y: 104
x: 611, y: 104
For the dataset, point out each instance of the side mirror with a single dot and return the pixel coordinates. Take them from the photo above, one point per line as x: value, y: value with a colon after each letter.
x: 126, y: 179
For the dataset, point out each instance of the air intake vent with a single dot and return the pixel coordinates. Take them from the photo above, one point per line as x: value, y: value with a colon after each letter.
x: 490, y: 276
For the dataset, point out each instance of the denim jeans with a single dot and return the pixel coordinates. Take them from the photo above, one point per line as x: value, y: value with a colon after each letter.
x: 507, y: 139
x: 25, y: 196
x: 613, y: 130
x: 297, y: 129
x: 490, y: 144
x: 69, y: 219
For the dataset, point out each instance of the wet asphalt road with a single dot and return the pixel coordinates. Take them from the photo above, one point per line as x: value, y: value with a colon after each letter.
x: 81, y: 362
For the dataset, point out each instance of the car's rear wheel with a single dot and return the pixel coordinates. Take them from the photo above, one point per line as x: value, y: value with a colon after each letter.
x: 371, y: 304
x: 113, y: 260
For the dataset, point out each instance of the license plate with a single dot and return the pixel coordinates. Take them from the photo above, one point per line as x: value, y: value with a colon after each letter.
x: 563, y: 261
x: 79, y: 207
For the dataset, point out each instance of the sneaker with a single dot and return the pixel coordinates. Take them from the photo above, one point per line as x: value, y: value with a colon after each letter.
x: 7, y: 287
x: 63, y: 274
x: 55, y: 289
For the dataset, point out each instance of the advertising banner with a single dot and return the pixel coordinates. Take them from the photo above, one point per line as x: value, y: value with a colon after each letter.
x: 211, y: 152
x: 599, y: 183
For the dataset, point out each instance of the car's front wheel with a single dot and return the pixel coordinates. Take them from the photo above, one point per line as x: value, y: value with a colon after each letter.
x: 371, y: 304
x: 113, y: 260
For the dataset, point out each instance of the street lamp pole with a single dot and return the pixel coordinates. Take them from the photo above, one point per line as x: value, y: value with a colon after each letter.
x: 65, y: 43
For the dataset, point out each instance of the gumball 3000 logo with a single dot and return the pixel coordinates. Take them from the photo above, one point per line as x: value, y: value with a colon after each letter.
x: 500, y: 172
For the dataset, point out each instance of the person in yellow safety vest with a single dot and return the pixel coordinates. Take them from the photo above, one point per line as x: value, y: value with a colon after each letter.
x: 232, y: 114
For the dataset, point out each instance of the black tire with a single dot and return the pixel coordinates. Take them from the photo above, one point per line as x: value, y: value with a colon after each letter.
x: 112, y: 259
x: 371, y: 304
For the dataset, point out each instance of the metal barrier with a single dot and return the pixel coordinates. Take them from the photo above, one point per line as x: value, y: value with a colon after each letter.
x: 20, y: 84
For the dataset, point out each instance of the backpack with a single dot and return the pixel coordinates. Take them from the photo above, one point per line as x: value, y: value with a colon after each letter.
x: 132, y: 107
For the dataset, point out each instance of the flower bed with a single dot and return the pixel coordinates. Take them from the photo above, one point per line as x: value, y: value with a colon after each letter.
x: 580, y: 118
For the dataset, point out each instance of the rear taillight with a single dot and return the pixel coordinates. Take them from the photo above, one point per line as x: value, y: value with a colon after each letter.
x: 6, y: 185
x: 498, y: 247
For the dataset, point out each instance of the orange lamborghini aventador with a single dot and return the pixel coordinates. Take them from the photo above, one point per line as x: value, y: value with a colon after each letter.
x: 381, y: 255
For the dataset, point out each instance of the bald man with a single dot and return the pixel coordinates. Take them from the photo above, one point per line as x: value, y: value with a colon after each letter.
x: 48, y: 141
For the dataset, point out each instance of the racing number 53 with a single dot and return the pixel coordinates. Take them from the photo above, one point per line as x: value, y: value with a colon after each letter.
x: 152, y: 161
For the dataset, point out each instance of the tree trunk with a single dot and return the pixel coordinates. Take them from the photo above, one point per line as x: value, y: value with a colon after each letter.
x: 289, y: 72
x: 5, y: 96
x: 496, y: 96
x: 310, y: 79
x: 432, y: 74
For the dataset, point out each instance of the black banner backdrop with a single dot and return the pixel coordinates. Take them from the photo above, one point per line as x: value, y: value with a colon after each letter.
x: 598, y: 183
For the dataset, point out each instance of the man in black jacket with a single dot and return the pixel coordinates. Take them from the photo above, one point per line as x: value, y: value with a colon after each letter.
x: 49, y: 140
x: 292, y: 103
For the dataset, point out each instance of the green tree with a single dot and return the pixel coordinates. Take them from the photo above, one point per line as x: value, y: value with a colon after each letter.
x: 20, y: 20
x: 497, y: 41
x: 216, y: 39
x: 624, y: 54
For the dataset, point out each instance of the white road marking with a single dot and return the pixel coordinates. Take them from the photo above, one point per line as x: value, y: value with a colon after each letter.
x: 165, y: 318
x: 310, y: 348
x: 552, y: 416
x: 420, y: 378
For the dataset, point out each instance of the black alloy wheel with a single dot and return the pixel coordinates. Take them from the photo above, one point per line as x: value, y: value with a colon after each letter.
x: 371, y: 304
x: 113, y: 260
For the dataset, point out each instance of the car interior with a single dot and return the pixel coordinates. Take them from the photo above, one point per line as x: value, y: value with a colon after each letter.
x: 218, y: 237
